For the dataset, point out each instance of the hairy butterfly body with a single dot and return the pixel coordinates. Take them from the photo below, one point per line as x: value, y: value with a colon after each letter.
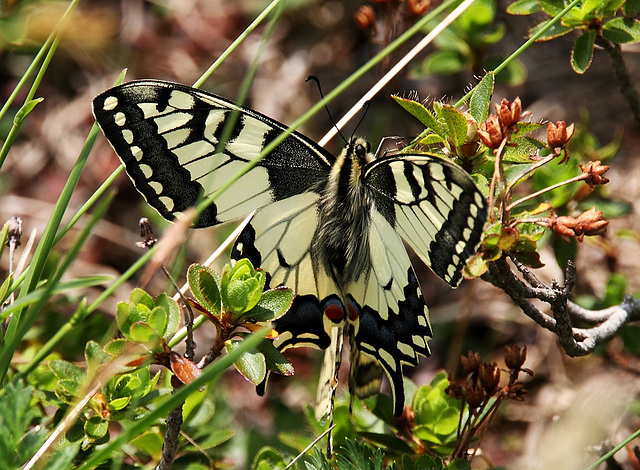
x: 331, y: 228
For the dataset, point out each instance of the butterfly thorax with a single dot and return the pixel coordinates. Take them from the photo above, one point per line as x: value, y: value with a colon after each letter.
x: 342, y: 239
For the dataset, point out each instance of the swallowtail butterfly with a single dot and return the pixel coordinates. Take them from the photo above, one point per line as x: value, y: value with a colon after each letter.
x: 331, y: 228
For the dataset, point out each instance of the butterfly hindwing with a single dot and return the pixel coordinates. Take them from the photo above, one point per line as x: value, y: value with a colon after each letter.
x: 279, y: 239
x: 391, y: 320
x: 435, y: 207
x: 169, y: 138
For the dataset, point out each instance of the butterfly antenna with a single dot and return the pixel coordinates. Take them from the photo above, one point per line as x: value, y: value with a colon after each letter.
x: 365, y: 106
x: 317, y: 81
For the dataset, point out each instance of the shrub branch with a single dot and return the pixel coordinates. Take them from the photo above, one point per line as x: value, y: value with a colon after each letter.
x: 576, y: 341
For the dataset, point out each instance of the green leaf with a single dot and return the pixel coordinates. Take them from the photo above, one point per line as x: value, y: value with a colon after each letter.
x: 441, y: 62
x: 116, y: 347
x: 275, y: 361
x: 423, y: 462
x: 241, y: 286
x: 552, y: 7
x: 582, y: 52
x: 455, y: 123
x: 139, y: 296
x: 119, y: 403
x: 525, y: 147
x: 622, y: 30
x: 631, y: 8
x: 216, y: 437
x: 96, y: 428
x: 205, y: 287
x: 141, y: 332
x: 610, y: 7
x: 523, y: 7
x: 95, y: 356
x: 616, y: 290
x: 172, y: 313
x: 150, y: 442
x: 556, y: 30
x: 157, y: 320
x: 435, y: 411
x: 268, y: 458
x: 66, y: 370
x: 420, y: 112
x: 514, y: 74
x: 528, y: 127
x: 251, y: 364
x: 63, y: 456
x: 459, y: 464
x: 481, y: 98
x: 272, y: 305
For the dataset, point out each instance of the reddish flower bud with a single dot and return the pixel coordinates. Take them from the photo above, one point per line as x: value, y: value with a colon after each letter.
x: 509, y: 112
x: 365, y: 17
x: 558, y: 136
x: 471, y: 362
x: 590, y: 223
x: 490, y: 132
x: 474, y: 393
x: 418, y: 7
x: 490, y: 376
x: 514, y: 356
x: 594, y: 171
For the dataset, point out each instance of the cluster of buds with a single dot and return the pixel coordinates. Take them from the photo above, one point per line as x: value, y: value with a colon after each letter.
x: 588, y: 223
x: 483, y: 379
x: 558, y: 135
x: 499, y: 125
x: 365, y: 16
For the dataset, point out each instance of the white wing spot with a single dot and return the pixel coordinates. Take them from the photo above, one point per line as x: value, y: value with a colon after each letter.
x: 137, y: 153
x: 451, y: 270
x: 460, y: 246
x: 146, y: 170
x: 177, y: 136
x: 172, y: 121
x: 110, y: 103
x: 422, y: 320
x: 418, y: 341
x: 167, y: 201
x: 157, y: 186
x: 250, y: 140
x: 455, y: 259
x: 436, y: 172
x: 479, y: 199
x: 471, y: 221
x: 388, y: 359
x: 187, y: 153
x: 181, y: 100
x: 214, y: 119
x: 120, y: 118
x: 473, y: 210
x: 466, y: 233
x: 127, y: 135
x: 406, y: 349
x: 151, y: 110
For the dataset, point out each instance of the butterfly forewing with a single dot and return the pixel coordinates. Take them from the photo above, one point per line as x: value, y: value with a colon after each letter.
x: 434, y: 205
x: 169, y: 138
